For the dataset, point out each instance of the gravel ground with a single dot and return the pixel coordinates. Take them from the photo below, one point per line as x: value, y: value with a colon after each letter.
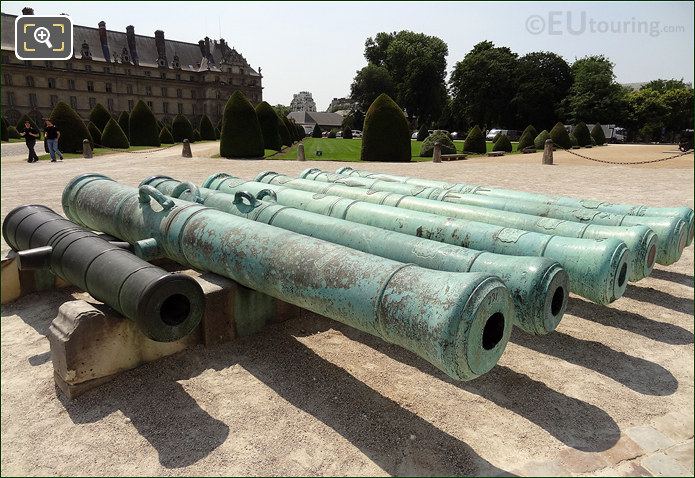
x: 313, y: 397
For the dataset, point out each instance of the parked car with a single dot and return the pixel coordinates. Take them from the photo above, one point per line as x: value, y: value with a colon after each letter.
x: 512, y: 134
x: 414, y: 135
x: 356, y: 133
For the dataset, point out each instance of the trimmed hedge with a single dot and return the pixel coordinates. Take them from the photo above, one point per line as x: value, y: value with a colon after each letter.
x: 427, y: 148
x: 560, y: 136
x: 72, y: 129
x: 581, y: 132
x: 196, y: 136
x: 597, y: 135
x: 181, y: 129
x: 165, y: 136
x: 386, y: 135
x: 95, y: 132
x: 241, y: 135
x: 531, y: 130
x: 539, y: 141
x: 143, y: 126
x: 99, y: 116
x: 422, y: 134
x: 268, y: 119
x: 301, y: 134
x: 206, y: 129
x: 124, y: 122
x: 13, y: 133
x: 573, y: 140
x: 22, y: 120
x: 284, y: 133
x: 291, y: 130
x: 475, y: 141
x: 502, y: 144
x: 113, y: 136
x: 317, y: 133
x: 526, y: 140
x: 347, y: 133
x: 4, y: 133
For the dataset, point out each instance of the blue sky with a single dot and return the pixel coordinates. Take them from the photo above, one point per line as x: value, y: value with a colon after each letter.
x: 318, y: 46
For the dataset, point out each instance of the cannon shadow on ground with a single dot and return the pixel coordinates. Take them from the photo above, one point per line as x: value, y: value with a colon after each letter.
x: 673, y: 276
x: 661, y: 298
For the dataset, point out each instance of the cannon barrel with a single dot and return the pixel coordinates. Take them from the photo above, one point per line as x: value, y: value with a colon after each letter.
x: 640, y: 240
x: 166, y: 306
x: 539, y: 286
x: 560, y: 206
x: 598, y: 270
x: 459, y: 322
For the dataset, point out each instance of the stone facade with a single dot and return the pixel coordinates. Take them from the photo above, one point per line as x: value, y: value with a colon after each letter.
x: 117, y: 69
x: 303, y: 101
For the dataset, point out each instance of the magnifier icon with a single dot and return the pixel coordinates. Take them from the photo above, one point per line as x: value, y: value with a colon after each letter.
x: 42, y: 35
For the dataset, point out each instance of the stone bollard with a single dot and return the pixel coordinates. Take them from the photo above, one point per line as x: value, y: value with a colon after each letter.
x: 186, y: 152
x: 300, y: 152
x: 437, y: 155
x: 87, y: 149
x: 548, y: 152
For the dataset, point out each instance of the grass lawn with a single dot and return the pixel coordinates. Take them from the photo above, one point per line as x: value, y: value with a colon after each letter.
x: 338, y: 149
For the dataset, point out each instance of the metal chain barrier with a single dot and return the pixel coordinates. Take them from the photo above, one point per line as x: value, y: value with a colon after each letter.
x: 628, y: 162
x: 136, y: 152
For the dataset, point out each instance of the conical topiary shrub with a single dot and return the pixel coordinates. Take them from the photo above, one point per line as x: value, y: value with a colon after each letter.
x: 99, y: 116
x: 291, y: 130
x: 113, y: 136
x: 269, y: 120
x: 196, y: 136
x: 284, y: 133
x: 301, y: 134
x: 22, y: 120
x: 475, y: 141
x: 573, y: 140
x: 217, y: 133
x: 560, y: 136
x: 165, y: 136
x: 143, y: 126
x: 347, y: 133
x: 597, y: 135
x: 316, y: 132
x: 530, y: 130
x: 526, y: 141
x: 422, y: 134
x: 72, y: 129
x: 96, y: 134
x: 124, y: 122
x: 447, y: 145
x: 581, y: 132
x: 240, y: 135
x: 386, y: 135
x: 181, y: 129
x: 206, y: 129
x: 539, y: 141
x: 502, y: 144
x: 13, y: 133
x: 5, y: 134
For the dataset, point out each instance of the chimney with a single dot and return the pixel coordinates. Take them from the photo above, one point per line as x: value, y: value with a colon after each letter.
x: 130, y: 35
x: 161, y: 49
x: 27, y: 11
x: 201, y: 45
x: 104, y: 41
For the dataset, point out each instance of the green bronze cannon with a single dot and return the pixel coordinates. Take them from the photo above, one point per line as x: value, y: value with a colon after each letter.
x: 598, y: 270
x: 640, y: 240
x: 165, y: 306
x: 459, y: 322
x: 664, y: 221
x: 539, y: 286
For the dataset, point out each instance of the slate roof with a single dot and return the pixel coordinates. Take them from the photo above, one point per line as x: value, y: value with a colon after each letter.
x: 313, y: 117
x: 189, y: 54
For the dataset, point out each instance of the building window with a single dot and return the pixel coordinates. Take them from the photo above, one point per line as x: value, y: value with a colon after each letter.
x: 217, y: 94
x: 179, y: 93
x: 88, y: 68
x: 71, y: 84
x: 191, y: 78
x: 73, y: 102
x: 92, y: 103
x: 178, y: 76
x: 107, y: 69
x: 51, y: 82
x: 163, y: 76
x: 217, y: 78
x: 193, y: 109
x: 193, y: 94
x: 164, y: 91
x: 49, y: 64
x: 109, y: 87
x: 165, y: 108
x: 10, y: 99
x: 32, y: 100
x: 90, y: 86
x: 148, y: 90
x: 130, y: 105
x: 180, y: 106
x: 6, y: 58
x: 129, y: 89
x: 147, y: 73
x: 30, y: 81
x: 149, y: 103
x: 127, y: 71
x: 68, y: 66
x: 54, y: 100
x: 8, y: 79
x: 109, y: 104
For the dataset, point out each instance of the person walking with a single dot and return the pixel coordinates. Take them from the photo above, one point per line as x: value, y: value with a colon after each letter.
x: 30, y: 134
x: 52, y: 137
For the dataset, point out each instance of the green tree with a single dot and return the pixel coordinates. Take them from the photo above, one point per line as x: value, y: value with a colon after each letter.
x: 284, y: 133
x: 475, y: 141
x: 269, y: 120
x: 241, y: 135
x: 143, y: 126
x: 543, y: 81
x: 527, y: 138
x: 316, y: 133
x: 370, y: 82
x: 502, y: 144
x: 181, y: 129
x: 422, y: 133
x: 96, y: 134
x: 99, y: 116
x: 483, y: 85
x: 281, y: 110
x: 560, y: 136
x: 386, y: 134
x: 582, y: 134
x: 447, y: 145
x: 347, y: 133
x: 539, y: 141
x: 72, y: 129
x: 597, y: 135
x: 207, y: 130
x: 165, y: 136
x: 113, y: 136
x: 124, y: 122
